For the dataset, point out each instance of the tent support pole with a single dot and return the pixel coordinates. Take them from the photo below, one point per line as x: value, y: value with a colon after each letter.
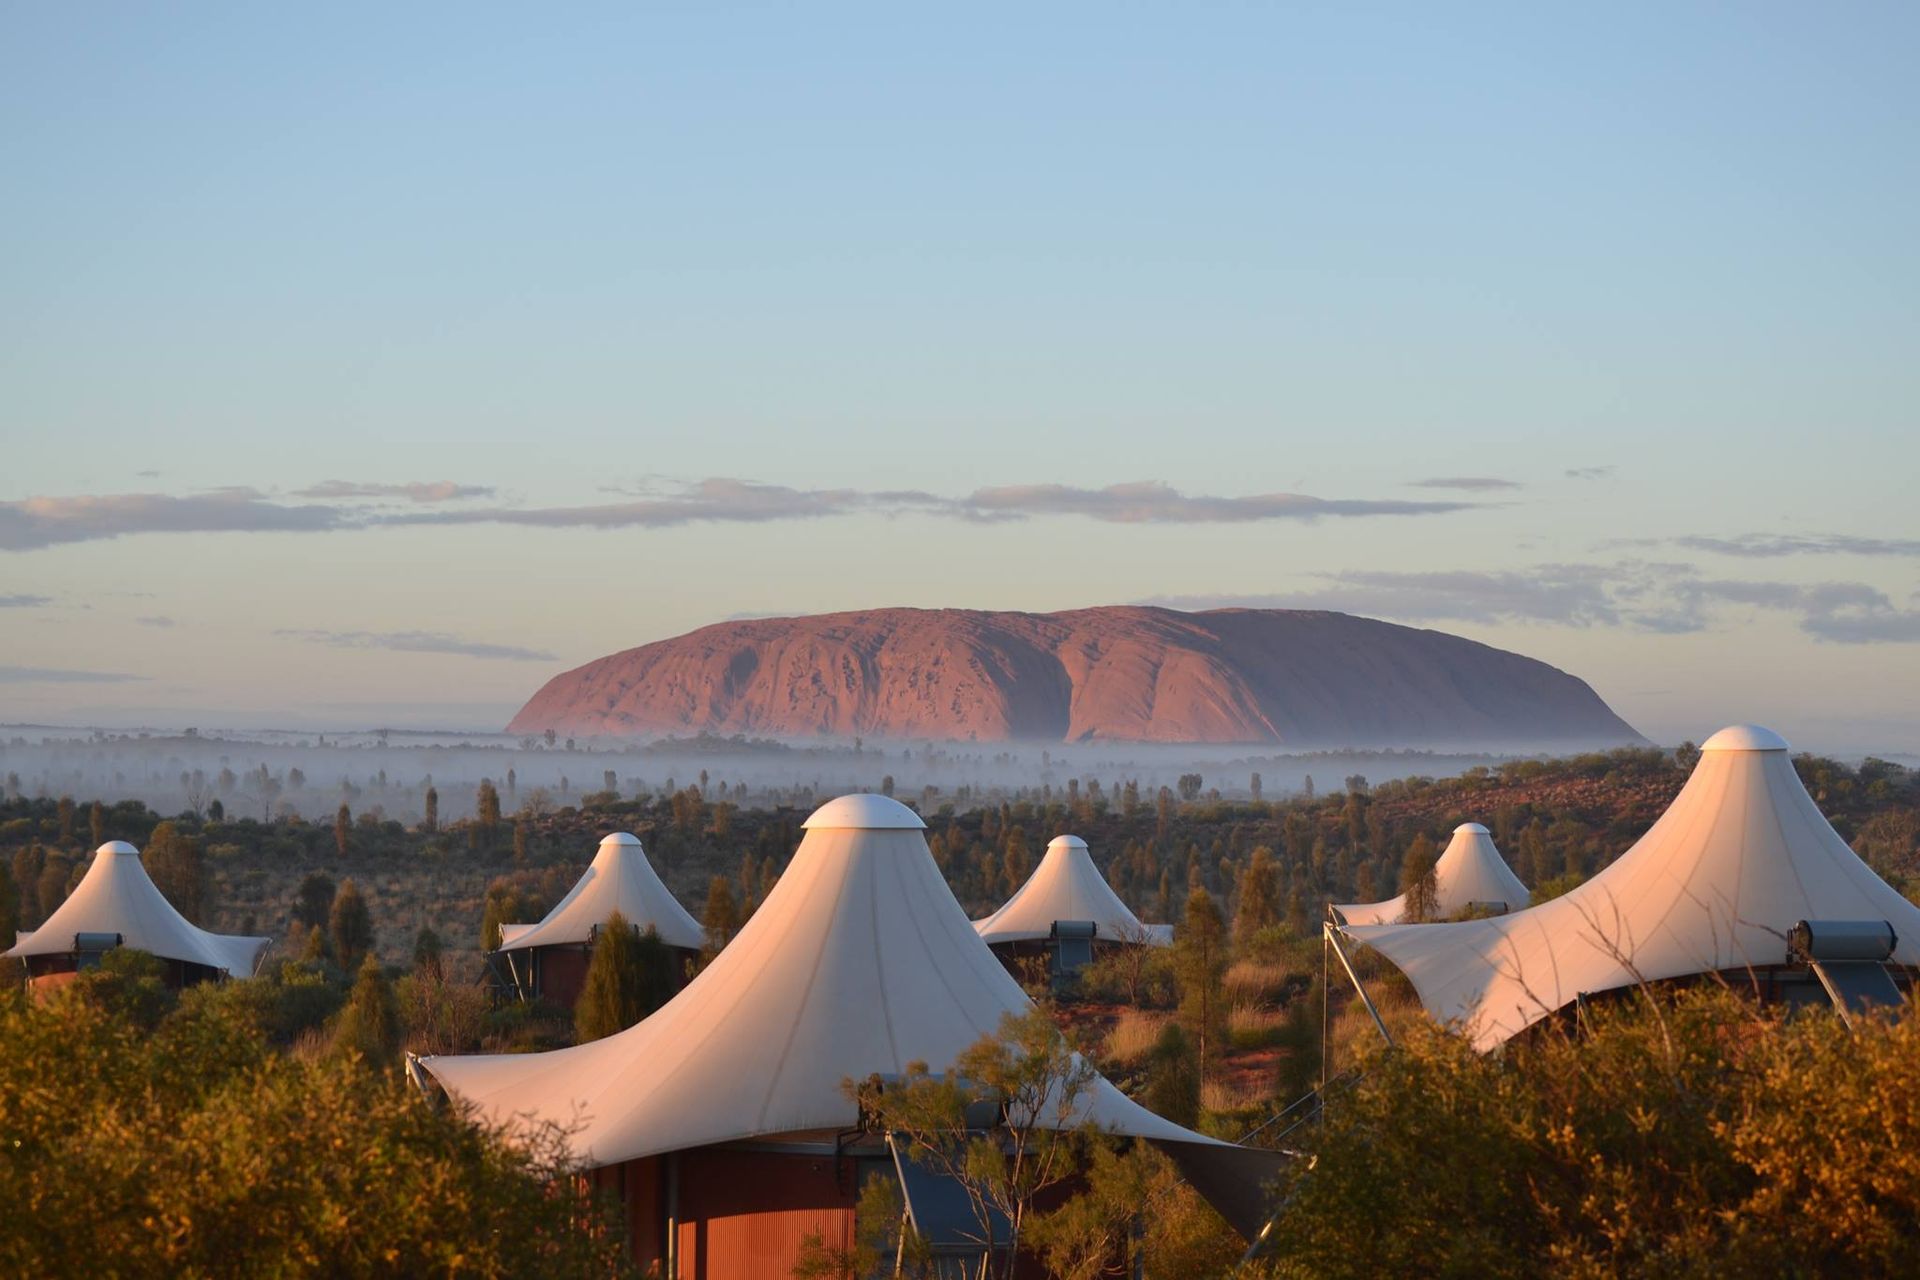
x: 673, y: 1216
x: 1326, y: 931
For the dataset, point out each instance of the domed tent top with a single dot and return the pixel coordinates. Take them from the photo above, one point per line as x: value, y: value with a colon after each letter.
x: 1745, y: 737
x: 860, y: 961
x: 619, y: 879
x: 117, y: 896
x: 1469, y: 870
x: 864, y: 812
x: 1067, y: 886
x: 1740, y: 856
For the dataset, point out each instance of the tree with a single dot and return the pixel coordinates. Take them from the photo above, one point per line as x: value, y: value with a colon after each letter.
x: 1259, y: 897
x: 722, y: 915
x: 426, y: 951
x: 627, y: 979
x: 52, y: 888
x: 351, y: 925
x: 487, y: 807
x: 174, y: 864
x: 1173, y: 1077
x: 97, y: 823
x: 1190, y: 785
x: 519, y: 842
x: 1253, y: 785
x: 65, y: 811
x: 432, y: 819
x: 1033, y: 1082
x: 342, y: 827
x: 315, y: 902
x: 1419, y: 881
x: 9, y: 906
x: 370, y: 1023
x: 1199, y: 964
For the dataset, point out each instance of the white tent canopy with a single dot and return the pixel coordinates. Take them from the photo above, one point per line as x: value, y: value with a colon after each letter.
x: 1469, y: 870
x: 1067, y: 886
x: 1739, y: 857
x: 859, y: 961
x: 116, y: 896
x: 620, y: 879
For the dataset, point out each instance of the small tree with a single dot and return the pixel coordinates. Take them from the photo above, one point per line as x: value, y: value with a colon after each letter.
x: 351, y: 925
x: 1419, y: 881
x: 722, y: 915
x: 627, y: 979
x: 315, y: 902
x: 342, y: 827
x: 173, y: 863
x: 432, y: 819
x: 1036, y: 1083
x: 1200, y: 962
x: 1173, y: 1077
x: 487, y: 807
x: 426, y: 951
x: 370, y: 1022
x: 1259, y: 895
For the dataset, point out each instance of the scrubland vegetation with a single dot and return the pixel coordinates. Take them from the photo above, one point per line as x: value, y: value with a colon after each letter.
x: 1675, y: 1134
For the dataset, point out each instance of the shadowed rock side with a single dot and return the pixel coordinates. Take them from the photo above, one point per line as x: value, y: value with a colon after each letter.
x: 1122, y: 673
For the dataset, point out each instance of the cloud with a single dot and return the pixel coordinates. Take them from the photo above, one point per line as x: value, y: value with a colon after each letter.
x: 1152, y: 502
x: 155, y: 620
x: 24, y: 601
x: 745, y: 501
x: 42, y: 522
x: 148, y: 474
x: 57, y: 675
x: 1467, y: 484
x: 32, y: 523
x: 418, y: 491
x: 1648, y: 596
x: 1561, y: 595
x: 1589, y: 473
x: 416, y: 642
x: 719, y: 499
x: 1761, y: 546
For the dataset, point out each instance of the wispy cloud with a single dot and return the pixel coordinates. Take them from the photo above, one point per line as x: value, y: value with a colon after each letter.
x: 416, y: 642
x: 1152, y: 502
x: 1467, y: 484
x: 59, y: 675
x: 33, y: 523
x: 418, y: 491
x: 1766, y: 546
x: 1648, y: 596
x: 43, y: 522
x: 1589, y: 473
x: 24, y: 601
x: 155, y: 620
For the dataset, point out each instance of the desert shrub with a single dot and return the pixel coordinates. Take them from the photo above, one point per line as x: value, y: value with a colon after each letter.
x: 193, y: 1149
x: 1133, y: 1036
x: 1255, y: 1026
x: 1699, y: 1135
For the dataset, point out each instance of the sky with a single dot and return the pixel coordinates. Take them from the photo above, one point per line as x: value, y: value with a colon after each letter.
x: 371, y: 365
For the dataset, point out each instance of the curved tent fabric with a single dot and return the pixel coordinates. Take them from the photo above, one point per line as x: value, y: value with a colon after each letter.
x: 620, y: 879
x: 117, y: 896
x: 1067, y: 886
x: 1469, y: 870
x: 1740, y: 856
x: 859, y: 961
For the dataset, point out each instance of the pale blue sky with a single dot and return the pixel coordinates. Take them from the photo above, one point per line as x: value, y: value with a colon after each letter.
x: 1324, y: 250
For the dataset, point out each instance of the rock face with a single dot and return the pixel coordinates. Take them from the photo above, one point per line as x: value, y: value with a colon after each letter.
x: 1093, y: 674
x: 1299, y: 678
